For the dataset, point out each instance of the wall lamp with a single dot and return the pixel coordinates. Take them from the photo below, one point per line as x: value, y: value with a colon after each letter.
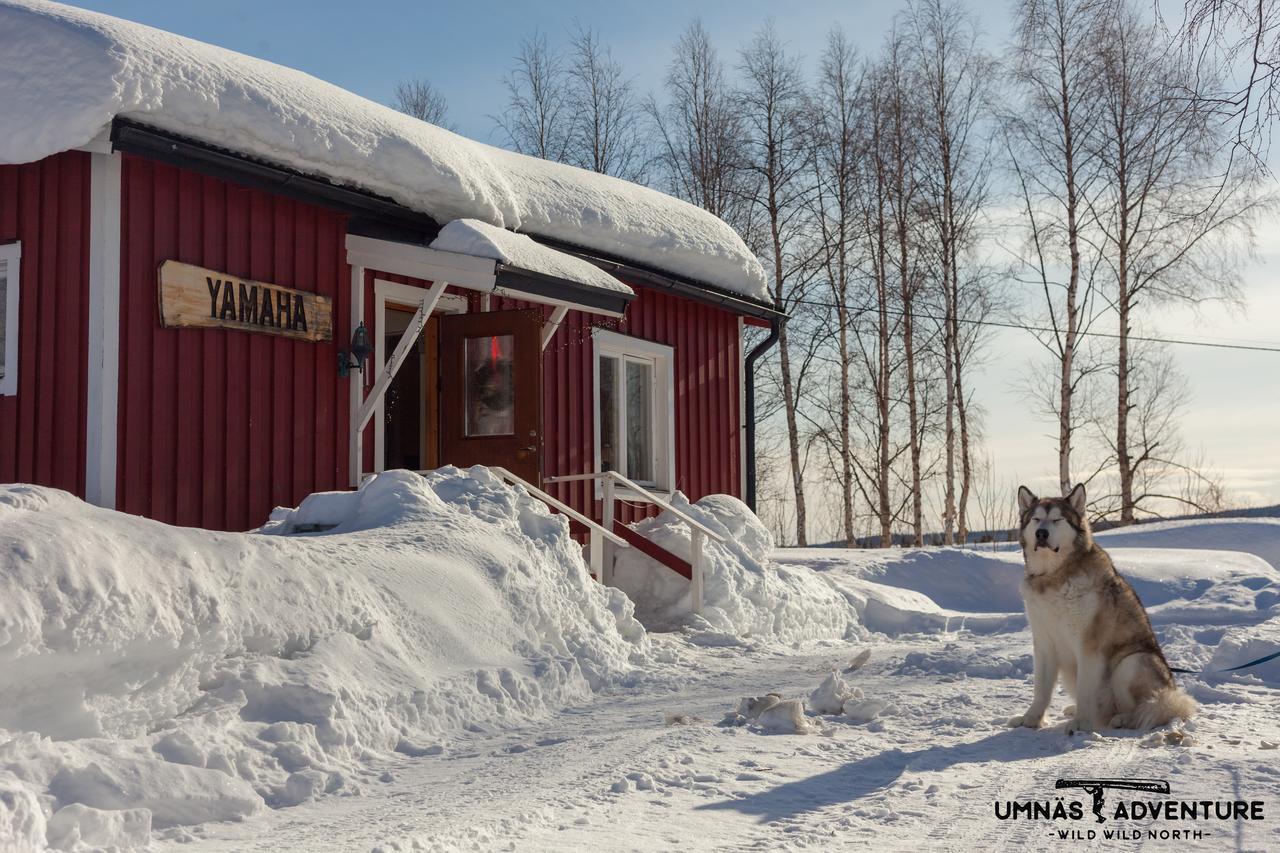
x: 358, y: 352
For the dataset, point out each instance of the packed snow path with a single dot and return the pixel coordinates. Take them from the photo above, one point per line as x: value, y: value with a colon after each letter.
x: 615, y: 774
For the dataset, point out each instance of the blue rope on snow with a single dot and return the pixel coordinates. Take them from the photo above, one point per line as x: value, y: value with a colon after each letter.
x: 1262, y: 659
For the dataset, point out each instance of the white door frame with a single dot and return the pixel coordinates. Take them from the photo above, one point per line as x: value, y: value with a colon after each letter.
x: 391, y: 292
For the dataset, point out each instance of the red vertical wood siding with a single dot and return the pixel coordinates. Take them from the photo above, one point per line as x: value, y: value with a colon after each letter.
x: 42, y: 428
x: 707, y: 395
x: 217, y: 427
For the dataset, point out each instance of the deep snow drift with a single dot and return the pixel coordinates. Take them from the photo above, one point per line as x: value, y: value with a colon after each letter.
x: 159, y: 677
x: 746, y: 594
x: 65, y: 73
x: 905, y: 750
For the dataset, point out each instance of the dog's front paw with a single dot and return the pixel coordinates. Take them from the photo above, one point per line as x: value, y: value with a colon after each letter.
x: 1077, y: 724
x: 1027, y: 720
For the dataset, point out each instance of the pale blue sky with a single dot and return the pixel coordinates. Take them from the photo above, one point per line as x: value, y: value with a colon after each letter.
x: 464, y: 49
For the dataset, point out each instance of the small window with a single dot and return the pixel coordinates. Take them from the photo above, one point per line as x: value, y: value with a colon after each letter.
x: 10, y: 253
x: 490, y: 386
x: 635, y: 420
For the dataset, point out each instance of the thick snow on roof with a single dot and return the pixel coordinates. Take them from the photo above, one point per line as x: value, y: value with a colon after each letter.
x: 482, y: 240
x: 66, y: 72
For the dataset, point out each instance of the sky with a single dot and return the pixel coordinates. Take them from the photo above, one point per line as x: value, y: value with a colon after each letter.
x: 464, y: 48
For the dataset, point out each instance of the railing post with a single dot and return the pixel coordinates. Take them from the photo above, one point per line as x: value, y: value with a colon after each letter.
x: 606, y: 521
x: 597, y: 555
x: 696, y: 561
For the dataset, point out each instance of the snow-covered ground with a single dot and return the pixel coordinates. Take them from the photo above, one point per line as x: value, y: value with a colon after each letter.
x: 438, y: 673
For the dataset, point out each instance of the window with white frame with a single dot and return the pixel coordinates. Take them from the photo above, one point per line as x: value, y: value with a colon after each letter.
x: 10, y: 253
x: 634, y: 410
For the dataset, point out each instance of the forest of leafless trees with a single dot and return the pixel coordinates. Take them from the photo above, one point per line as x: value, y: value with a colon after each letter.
x: 907, y: 201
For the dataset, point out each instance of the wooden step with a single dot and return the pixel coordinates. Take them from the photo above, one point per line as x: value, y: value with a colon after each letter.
x: 654, y: 551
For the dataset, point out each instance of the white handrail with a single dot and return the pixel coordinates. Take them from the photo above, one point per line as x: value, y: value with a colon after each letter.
x: 563, y: 507
x: 643, y: 492
x: 697, y: 530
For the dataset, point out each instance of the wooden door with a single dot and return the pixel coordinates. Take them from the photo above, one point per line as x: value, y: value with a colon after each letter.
x: 491, y: 391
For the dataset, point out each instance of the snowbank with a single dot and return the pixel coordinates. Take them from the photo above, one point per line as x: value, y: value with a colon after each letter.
x: 65, y: 73
x: 745, y: 593
x: 155, y: 676
x: 899, y: 591
x: 1257, y: 536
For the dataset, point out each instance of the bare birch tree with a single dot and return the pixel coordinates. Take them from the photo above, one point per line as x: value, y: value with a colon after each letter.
x: 1237, y: 44
x: 606, y: 135
x: 777, y: 139
x: 955, y: 76
x: 877, y: 324
x: 538, y: 119
x: 1054, y: 70
x: 1171, y: 211
x: 422, y: 100
x: 697, y: 131
x: 837, y: 152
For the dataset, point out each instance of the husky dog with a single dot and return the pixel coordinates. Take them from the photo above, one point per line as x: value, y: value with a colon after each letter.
x: 1088, y: 626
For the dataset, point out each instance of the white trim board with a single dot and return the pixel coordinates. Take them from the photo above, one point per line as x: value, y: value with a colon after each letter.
x: 420, y: 262
x: 103, y: 368
x: 662, y: 357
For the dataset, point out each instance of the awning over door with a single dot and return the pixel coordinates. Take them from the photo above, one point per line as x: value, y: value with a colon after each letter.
x: 477, y: 256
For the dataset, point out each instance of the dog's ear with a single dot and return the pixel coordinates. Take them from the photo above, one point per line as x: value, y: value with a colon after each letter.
x: 1026, y: 499
x: 1076, y: 500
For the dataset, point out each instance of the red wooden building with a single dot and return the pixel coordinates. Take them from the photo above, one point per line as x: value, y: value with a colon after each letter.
x: 179, y: 317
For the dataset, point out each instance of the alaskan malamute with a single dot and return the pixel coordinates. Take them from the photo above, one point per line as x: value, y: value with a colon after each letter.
x: 1088, y: 626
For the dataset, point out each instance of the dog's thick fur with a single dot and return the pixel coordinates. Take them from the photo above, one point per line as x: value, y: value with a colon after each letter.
x: 1088, y: 626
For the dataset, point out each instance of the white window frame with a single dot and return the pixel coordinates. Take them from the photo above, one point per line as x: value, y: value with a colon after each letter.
x: 663, y: 417
x: 389, y: 294
x: 11, y: 259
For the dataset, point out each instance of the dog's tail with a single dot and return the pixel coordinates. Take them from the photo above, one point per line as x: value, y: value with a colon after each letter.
x: 1162, y: 707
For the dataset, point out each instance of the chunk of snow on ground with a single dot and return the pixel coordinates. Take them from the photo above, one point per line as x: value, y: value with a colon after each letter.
x: 866, y: 710
x: 197, y: 675
x: 831, y: 695
x: 65, y: 73
x: 770, y: 713
x: 745, y: 593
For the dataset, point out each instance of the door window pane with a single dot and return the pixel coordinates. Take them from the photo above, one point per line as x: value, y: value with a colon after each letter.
x: 608, y: 380
x: 640, y: 421
x: 490, y: 388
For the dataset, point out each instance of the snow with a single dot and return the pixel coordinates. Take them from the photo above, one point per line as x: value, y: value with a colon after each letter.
x: 746, y: 594
x: 482, y: 240
x: 435, y: 671
x: 158, y: 677
x: 65, y: 73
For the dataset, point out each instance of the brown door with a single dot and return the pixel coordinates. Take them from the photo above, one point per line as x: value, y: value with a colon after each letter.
x: 491, y: 391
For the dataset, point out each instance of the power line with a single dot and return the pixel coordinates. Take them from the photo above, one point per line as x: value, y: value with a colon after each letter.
x: 999, y: 324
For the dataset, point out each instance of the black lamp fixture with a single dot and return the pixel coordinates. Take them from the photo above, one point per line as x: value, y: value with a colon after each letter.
x: 359, y: 351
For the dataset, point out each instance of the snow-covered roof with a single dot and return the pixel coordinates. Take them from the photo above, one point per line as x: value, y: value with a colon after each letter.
x: 482, y: 240
x: 65, y: 73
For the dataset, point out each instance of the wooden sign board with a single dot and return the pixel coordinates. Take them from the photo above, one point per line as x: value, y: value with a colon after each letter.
x: 195, y: 297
